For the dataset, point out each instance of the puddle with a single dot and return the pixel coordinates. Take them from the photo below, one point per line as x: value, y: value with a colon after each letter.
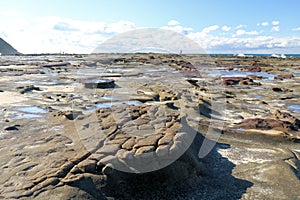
x: 239, y: 129
x: 294, y: 108
x: 110, y: 97
x: 120, y: 69
x: 226, y: 59
x: 39, y: 82
x: 52, y: 75
x: 296, y: 74
x: 39, y: 76
x: 257, y: 96
x: 28, y: 112
x: 97, y: 72
x: 49, y: 83
x: 32, y: 110
x: 91, y: 71
x: 25, y: 115
x: 110, y: 104
x: 245, y: 74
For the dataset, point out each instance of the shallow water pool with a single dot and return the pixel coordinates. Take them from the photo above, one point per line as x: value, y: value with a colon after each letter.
x: 294, y: 108
x: 110, y: 104
x: 32, y: 109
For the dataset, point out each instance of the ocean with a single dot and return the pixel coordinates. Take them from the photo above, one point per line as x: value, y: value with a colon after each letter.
x: 259, y: 55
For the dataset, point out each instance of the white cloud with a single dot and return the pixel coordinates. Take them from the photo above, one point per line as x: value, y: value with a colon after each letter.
x: 9, y: 13
x: 226, y: 28
x: 265, y: 23
x: 275, y: 29
x: 241, y: 32
x: 240, y: 26
x: 178, y: 29
x: 173, y: 23
x: 54, y: 34
x: 210, y: 28
x: 59, y: 34
x: 275, y: 23
x: 119, y: 27
x: 258, y: 44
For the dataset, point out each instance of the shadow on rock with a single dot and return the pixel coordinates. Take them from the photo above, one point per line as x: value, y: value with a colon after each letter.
x: 186, y: 178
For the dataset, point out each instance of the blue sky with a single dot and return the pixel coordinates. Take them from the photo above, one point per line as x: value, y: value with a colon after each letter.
x: 221, y: 26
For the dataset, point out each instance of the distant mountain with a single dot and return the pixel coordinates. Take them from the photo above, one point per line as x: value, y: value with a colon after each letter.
x: 6, y: 48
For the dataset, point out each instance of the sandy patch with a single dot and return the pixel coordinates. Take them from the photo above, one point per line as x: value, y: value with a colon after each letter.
x: 59, y: 88
x: 10, y: 97
x: 266, y: 132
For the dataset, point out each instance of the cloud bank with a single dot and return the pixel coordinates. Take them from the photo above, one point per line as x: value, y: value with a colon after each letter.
x: 54, y: 34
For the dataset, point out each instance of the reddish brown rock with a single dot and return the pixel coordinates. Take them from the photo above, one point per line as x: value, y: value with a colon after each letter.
x: 238, y: 81
x: 286, y: 76
x: 254, y: 68
x: 267, y: 124
x: 287, y: 117
x: 232, y: 80
x: 255, y: 77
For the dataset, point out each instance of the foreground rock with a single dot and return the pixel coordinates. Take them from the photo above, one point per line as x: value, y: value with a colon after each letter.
x: 169, y: 128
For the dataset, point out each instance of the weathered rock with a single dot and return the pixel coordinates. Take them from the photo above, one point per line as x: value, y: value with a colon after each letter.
x: 267, y: 124
x: 98, y: 83
x: 253, y: 68
x: 128, y: 145
x: 145, y: 149
x: 87, y: 166
x: 282, y: 77
x: 166, y: 139
x: 150, y: 140
x: 29, y: 88
x: 287, y: 117
x: 237, y: 80
x: 92, y: 156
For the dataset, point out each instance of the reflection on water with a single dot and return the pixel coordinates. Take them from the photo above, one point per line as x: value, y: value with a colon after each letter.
x: 110, y: 97
x: 294, y: 108
x: 28, y: 112
x: 32, y: 109
x: 245, y: 74
x: 257, y: 96
x: 25, y: 116
x: 109, y: 104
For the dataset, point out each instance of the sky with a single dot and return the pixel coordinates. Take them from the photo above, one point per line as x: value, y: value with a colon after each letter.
x: 218, y: 26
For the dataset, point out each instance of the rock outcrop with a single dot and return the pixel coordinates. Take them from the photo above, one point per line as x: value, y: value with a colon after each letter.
x: 6, y: 48
x: 76, y: 127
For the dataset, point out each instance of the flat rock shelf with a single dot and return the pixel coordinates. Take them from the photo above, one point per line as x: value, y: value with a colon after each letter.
x: 149, y: 126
